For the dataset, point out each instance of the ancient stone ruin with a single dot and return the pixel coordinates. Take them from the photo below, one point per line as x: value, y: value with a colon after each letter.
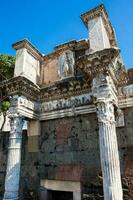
x: 78, y: 104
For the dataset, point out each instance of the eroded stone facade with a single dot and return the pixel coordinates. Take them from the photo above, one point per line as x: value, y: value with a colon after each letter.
x: 78, y: 102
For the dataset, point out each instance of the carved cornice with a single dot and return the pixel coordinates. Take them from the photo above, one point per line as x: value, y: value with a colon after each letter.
x: 20, y: 86
x: 91, y: 65
x: 81, y: 44
x: 97, y: 12
x: 105, y: 61
x: 58, y: 90
x: 64, y: 89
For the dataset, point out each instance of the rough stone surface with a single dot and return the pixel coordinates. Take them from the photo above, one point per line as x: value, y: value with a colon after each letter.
x: 77, y: 153
x: 67, y: 148
x: 70, y: 149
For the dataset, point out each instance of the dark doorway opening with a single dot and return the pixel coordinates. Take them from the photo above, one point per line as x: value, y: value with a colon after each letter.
x: 61, y: 195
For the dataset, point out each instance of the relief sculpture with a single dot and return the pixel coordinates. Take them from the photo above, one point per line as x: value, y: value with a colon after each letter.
x: 66, y: 64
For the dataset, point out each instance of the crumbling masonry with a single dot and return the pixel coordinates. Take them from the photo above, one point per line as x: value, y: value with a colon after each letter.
x: 78, y: 102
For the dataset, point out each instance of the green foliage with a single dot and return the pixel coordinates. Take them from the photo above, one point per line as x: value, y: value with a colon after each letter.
x: 5, y: 106
x: 7, y: 64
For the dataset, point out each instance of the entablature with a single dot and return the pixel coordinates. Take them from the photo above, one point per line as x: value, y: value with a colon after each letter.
x: 65, y: 89
x: 106, y: 61
x: 62, y: 99
x: 20, y: 86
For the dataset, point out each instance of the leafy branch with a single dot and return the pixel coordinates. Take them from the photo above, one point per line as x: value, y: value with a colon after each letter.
x: 7, y: 64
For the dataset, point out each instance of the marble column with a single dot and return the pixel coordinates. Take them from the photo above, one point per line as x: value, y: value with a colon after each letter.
x: 109, y: 150
x: 14, y: 159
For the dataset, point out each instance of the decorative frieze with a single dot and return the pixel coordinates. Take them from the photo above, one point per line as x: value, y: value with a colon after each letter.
x: 70, y: 102
x: 68, y: 112
x: 125, y: 96
x: 20, y: 86
x: 126, y: 91
x: 64, y: 89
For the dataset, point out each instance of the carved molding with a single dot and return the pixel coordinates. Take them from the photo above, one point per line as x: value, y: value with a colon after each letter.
x: 21, y: 86
x: 102, y: 61
x: 68, y: 112
x: 64, y: 89
x: 105, y: 111
x: 103, y: 89
x: 106, y: 61
x: 61, y: 92
x: 72, y: 102
x: 125, y: 96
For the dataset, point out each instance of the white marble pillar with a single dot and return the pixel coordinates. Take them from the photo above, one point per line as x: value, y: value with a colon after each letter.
x: 109, y: 150
x: 14, y: 159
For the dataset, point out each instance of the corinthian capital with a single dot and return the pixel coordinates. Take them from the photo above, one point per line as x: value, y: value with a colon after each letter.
x: 103, y: 89
x: 105, y: 111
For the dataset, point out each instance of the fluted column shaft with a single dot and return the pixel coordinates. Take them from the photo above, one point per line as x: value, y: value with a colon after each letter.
x: 14, y: 159
x: 109, y: 150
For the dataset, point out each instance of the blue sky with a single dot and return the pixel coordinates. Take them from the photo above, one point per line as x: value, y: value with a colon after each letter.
x: 47, y: 23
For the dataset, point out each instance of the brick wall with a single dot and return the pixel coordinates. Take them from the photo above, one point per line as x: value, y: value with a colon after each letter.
x: 63, y: 132
x: 49, y: 71
x: 130, y: 75
x: 68, y: 172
